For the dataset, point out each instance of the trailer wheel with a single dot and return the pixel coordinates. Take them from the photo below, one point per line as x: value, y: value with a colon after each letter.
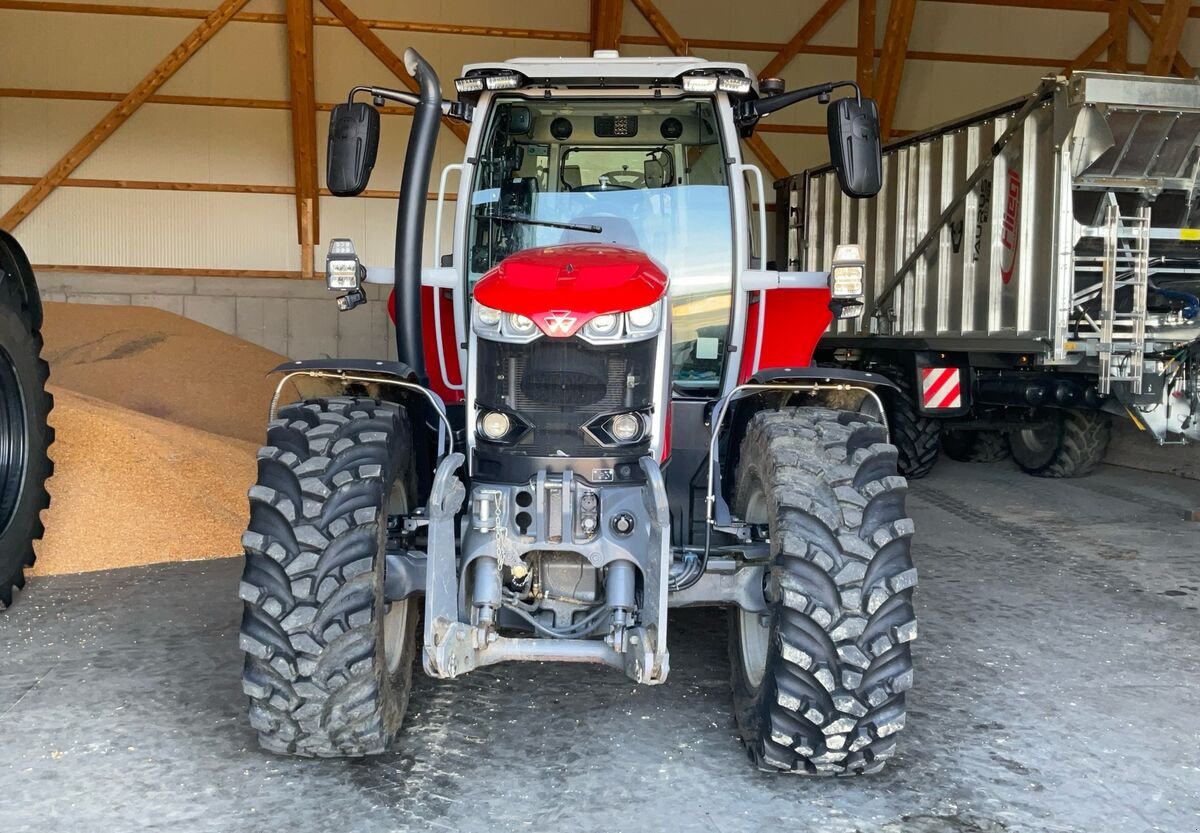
x: 328, y: 664
x: 819, y: 678
x: 975, y: 446
x: 1069, y: 443
x: 917, y: 437
x: 25, y: 439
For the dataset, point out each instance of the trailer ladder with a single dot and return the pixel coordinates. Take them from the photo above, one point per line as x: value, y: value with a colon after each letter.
x: 1120, y: 335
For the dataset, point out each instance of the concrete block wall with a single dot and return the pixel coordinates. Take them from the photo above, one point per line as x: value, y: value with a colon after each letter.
x: 296, y: 318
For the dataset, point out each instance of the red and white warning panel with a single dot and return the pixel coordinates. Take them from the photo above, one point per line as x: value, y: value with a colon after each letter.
x: 941, y: 388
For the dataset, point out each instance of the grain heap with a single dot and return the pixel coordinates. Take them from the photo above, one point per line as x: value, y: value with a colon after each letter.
x: 157, y: 421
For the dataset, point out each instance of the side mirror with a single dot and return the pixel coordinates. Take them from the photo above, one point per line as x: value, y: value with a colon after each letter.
x: 353, y: 142
x: 854, y: 146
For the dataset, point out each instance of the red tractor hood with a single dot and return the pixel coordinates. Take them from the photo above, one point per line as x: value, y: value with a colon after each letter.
x: 572, y: 284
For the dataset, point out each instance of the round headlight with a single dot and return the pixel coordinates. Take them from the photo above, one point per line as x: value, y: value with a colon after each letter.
x: 642, y: 317
x: 520, y: 323
x: 487, y: 315
x: 495, y: 424
x: 625, y: 427
x: 603, y: 325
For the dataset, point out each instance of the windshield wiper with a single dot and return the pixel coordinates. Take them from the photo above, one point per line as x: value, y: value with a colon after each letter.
x: 515, y: 218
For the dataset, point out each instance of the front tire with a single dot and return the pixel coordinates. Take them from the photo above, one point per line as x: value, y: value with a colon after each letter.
x: 328, y: 665
x: 819, y: 679
x: 25, y: 438
x: 1069, y: 443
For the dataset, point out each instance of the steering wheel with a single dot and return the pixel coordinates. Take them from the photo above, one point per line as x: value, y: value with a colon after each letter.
x: 624, y: 179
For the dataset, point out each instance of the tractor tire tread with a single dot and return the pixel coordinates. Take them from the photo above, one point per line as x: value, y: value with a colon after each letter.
x: 841, y: 583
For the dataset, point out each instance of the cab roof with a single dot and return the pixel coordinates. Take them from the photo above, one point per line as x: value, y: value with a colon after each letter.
x: 608, y: 65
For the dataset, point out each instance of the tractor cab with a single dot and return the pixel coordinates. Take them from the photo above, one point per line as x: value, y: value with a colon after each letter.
x: 604, y: 406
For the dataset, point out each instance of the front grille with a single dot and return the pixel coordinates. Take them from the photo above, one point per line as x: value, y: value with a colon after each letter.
x: 558, y: 385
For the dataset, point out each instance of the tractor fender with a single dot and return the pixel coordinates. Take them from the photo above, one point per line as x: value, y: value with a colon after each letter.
x: 832, y: 386
x: 14, y: 266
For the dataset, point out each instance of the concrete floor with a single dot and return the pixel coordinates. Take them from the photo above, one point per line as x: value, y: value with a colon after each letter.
x: 1058, y: 689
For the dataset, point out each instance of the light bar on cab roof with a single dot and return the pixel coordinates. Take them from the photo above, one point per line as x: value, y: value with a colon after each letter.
x: 469, y: 85
x: 702, y: 83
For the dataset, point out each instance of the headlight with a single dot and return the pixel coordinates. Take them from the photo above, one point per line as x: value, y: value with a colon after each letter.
x: 642, y: 320
x: 846, y: 276
x: 342, y: 268
x: 626, y: 427
x: 846, y: 281
x: 487, y: 320
x: 602, y: 326
x: 522, y: 325
x: 495, y: 425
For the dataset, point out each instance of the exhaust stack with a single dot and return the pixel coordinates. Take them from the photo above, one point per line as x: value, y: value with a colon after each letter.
x: 410, y: 220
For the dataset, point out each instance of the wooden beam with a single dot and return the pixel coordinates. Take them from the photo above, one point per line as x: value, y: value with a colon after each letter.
x: 799, y: 40
x: 771, y: 162
x: 606, y: 23
x: 386, y: 56
x: 119, y: 114
x: 202, y: 187
x: 661, y: 25
x: 1089, y: 55
x: 302, y: 84
x: 1164, y: 45
x: 276, y: 18
x: 891, y: 64
x: 1118, y: 23
x: 865, y: 51
x: 1141, y: 15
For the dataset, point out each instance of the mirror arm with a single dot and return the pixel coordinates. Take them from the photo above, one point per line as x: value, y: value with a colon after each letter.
x: 461, y: 110
x: 749, y: 112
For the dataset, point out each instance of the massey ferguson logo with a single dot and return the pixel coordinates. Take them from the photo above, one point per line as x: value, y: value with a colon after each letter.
x: 560, y: 323
x: 1008, y: 233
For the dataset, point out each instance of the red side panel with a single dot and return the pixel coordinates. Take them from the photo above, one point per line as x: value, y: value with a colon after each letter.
x: 795, y: 321
x: 429, y: 338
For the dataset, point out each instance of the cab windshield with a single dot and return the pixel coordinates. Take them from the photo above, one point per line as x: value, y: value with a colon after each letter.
x: 648, y: 174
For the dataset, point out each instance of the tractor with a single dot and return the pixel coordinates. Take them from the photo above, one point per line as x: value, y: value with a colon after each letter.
x: 603, y: 406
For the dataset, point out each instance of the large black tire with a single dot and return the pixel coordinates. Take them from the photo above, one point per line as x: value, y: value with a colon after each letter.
x: 917, y: 437
x: 328, y: 665
x: 1069, y: 443
x: 819, y: 687
x: 975, y: 446
x: 25, y: 437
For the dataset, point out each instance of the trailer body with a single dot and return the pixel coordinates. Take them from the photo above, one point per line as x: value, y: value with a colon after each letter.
x: 1045, y: 248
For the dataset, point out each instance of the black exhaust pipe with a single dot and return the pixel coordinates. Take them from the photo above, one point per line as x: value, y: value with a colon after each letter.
x: 410, y: 221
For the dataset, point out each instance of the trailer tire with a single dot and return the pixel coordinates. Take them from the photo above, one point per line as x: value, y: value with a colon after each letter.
x: 328, y: 665
x: 819, y: 678
x: 25, y: 437
x: 1070, y: 444
x: 975, y: 446
x: 917, y: 437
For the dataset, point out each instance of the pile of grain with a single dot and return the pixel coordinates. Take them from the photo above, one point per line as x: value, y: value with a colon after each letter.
x: 161, y: 364
x: 131, y: 489
x: 157, y: 421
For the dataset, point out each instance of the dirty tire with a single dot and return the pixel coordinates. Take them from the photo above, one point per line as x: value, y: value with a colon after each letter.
x: 1071, y: 444
x: 316, y: 669
x: 829, y: 698
x: 975, y: 446
x: 917, y: 438
x: 25, y: 438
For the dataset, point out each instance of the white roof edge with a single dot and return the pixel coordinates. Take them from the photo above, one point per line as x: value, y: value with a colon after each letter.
x: 591, y: 67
